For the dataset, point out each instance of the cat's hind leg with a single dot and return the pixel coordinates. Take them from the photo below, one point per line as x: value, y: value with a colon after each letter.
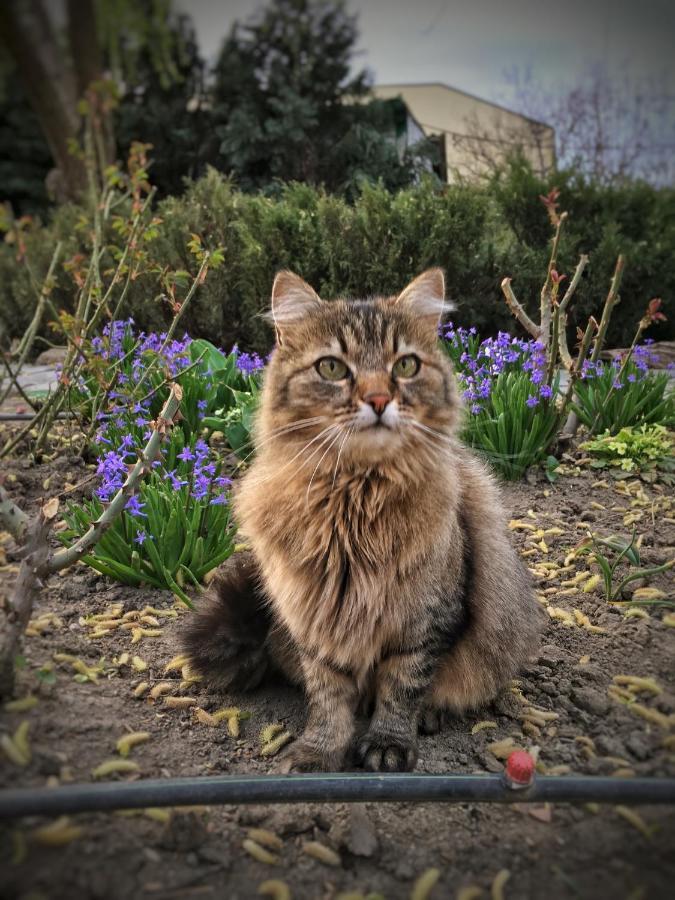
x: 226, y: 636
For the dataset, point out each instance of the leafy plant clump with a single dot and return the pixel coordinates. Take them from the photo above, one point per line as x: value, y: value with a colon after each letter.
x: 625, y: 392
x: 177, y: 526
x: 609, y: 554
x: 511, y: 411
x: 639, y: 449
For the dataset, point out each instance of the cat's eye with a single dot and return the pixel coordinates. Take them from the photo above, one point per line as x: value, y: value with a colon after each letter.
x: 406, y: 366
x: 332, y: 369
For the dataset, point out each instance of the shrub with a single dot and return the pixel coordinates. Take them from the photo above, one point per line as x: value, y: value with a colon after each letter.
x: 477, y: 233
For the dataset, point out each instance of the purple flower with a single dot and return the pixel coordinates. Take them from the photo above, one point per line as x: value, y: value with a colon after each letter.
x: 545, y: 392
x: 532, y: 402
x: 140, y: 538
x: 186, y: 455
x: 176, y: 483
x: 134, y: 506
x: 201, y: 487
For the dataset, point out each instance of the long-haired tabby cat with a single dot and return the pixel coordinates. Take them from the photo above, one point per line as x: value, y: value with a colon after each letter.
x: 380, y: 565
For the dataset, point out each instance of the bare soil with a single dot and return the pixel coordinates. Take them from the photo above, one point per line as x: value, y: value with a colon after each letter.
x: 549, y: 851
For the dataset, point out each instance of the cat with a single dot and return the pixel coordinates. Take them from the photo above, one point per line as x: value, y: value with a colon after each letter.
x: 379, y: 565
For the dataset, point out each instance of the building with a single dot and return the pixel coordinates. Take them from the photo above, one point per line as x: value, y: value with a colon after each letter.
x: 474, y: 135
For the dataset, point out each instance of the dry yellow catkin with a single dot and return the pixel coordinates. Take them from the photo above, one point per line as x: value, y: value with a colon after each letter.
x: 129, y: 741
x: 20, y: 740
x: 635, y: 613
x: 266, y: 838
x: 635, y: 683
x: 275, y: 745
x: 635, y: 820
x: 179, y: 702
x: 497, y: 888
x: 321, y: 853
x: 470, y: 892
x: 591, y: 584
x: 138, y: 664
x: 166, y: 613
x: 56, y: 834
x: 114, y: 767
x: 12, y: 752
x: 140, y: 689
x: 176, y: 664
x: 163, y: 687
x: 481, y: 726
x: 269, y: 732
x: 651, y: 715
x: 201, y: 715
x: 23, y: 705
x: 259, y: 853
x: 424, y: 884
x: 275, y: 888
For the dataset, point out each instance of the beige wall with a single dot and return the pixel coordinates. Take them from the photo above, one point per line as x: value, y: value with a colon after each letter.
x: 477, y: 134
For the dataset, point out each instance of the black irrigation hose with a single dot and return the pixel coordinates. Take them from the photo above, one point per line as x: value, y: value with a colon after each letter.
x: 347, y: 788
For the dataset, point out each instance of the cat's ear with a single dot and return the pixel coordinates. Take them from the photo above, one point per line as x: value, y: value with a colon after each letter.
x: 425, y: 296
x: 292, y: 300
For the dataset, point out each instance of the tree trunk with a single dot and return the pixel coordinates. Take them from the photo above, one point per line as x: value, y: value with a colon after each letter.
x: 87, y: 57
x: 28, y: 36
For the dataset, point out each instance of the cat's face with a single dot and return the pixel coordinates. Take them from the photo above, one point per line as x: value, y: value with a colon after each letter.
x: 366, y: 376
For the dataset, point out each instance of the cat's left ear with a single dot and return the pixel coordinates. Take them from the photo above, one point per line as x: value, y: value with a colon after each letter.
x: 425, y: 296
x: 292, y: 300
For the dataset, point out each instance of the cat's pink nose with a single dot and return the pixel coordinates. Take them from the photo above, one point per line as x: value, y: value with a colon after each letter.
x: 378, y: 402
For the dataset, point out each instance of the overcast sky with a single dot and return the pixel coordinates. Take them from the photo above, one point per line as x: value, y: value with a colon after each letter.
x: 469, y: 44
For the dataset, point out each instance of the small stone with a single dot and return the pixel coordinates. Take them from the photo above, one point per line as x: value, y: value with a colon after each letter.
x: 361, y: 837
x: 216, y: 856
x: 549, y: 688
x: 404, y: 870
x: 591, y: 701
x: 609, y: 746
x: 552, y: 656
x: 184, y: 832
x: 637, y: 745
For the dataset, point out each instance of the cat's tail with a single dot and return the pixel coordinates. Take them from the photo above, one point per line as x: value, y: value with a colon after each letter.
x: 225, y: 637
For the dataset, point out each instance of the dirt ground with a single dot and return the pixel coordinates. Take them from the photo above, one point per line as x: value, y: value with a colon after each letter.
x: 549, y: 851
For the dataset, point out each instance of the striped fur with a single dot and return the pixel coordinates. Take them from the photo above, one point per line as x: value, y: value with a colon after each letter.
x: 381, y: 549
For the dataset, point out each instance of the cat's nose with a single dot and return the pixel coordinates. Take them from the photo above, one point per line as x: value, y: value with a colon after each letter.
x: 378, y: 402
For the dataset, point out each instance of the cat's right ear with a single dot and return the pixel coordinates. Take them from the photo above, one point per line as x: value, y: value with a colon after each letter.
x: 292, y: 300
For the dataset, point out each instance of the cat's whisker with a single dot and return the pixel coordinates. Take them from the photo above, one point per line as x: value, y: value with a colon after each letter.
x: 316, y: 437
x: 316, y: 468
x: 279, y: 432
x: 348, y: 434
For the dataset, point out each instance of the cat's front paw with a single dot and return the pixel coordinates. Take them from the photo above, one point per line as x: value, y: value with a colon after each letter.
x: 381, y: 752
x: 303, y: 757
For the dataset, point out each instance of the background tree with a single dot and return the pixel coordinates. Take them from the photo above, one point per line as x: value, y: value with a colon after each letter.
x: 286, y: 107
x: 93, y: 55
x: 609, y: 128
x: 169, y: 110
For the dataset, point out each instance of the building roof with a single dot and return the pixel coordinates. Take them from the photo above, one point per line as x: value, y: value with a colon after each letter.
x: 463, y: 93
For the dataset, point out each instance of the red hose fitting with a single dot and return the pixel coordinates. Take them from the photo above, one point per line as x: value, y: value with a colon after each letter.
x: 519, y: 772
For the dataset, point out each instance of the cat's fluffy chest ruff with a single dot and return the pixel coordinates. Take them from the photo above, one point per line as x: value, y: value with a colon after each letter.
x: 343, y: 563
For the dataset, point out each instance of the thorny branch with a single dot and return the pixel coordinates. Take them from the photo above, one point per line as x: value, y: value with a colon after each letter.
x: 38, y: 564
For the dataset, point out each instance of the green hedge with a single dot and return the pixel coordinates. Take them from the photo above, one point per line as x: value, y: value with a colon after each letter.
x: 477, y: 233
